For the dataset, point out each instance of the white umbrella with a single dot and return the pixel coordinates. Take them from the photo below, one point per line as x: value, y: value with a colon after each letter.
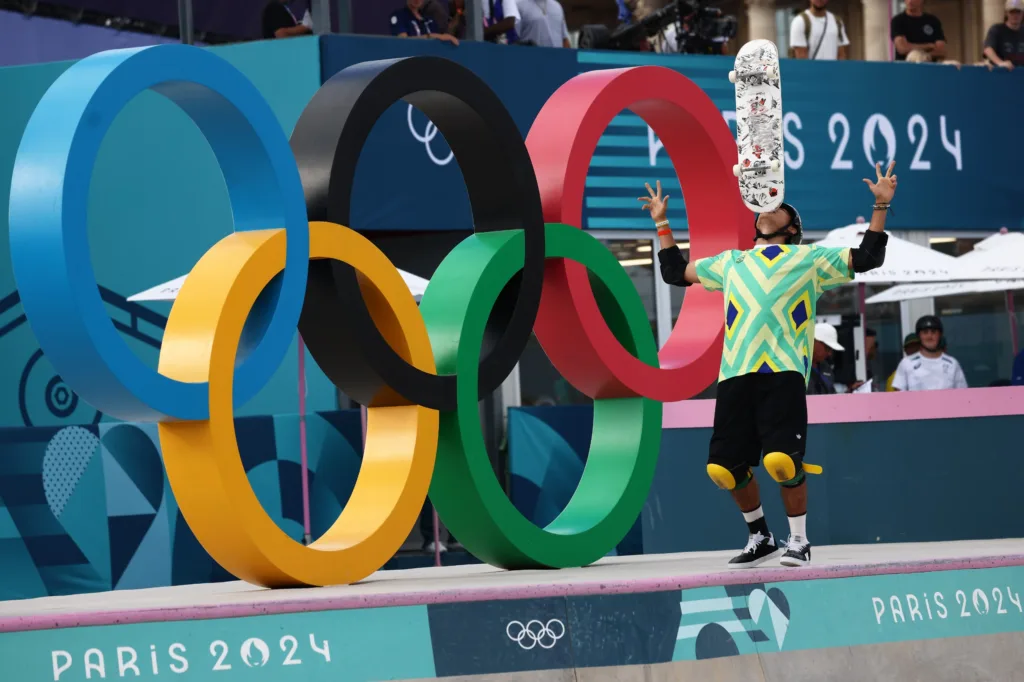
x: 909, y: 292
x: 168, y: 291
x: 1001, y: 254
x: 909, y: 262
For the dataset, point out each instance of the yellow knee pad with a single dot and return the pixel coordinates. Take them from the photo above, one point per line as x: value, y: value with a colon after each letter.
x: 724, y: 478
x: 782, y: 468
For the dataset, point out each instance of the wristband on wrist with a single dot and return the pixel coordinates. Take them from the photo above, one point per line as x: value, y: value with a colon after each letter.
x: 665, y: 232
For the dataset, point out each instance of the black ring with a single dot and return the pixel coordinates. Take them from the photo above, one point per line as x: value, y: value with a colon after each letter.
x: 328, y: 138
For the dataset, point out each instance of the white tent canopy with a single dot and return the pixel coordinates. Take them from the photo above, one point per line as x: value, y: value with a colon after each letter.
x: 168, y: 291
x: 909, y: 262
x: 1001, y: 253
x: 909, y: 292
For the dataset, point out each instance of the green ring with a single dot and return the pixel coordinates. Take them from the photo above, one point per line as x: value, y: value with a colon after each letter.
x: 626, y: 434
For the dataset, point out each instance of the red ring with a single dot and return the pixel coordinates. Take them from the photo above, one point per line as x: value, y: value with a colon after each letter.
x: 697, y: 139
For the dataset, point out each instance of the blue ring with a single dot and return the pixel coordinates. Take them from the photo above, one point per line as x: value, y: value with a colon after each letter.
x: 48, y: 225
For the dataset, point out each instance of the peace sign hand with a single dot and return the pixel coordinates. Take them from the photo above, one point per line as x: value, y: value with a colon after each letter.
x: 654, y: 202
x: 885, y: 187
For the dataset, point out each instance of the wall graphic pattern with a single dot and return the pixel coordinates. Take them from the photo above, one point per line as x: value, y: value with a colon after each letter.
x: 87, y: 508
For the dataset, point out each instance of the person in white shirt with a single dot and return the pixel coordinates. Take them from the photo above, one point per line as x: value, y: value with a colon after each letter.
x: 817, y: 33
x: 542, y: 23
x: 929, y: 369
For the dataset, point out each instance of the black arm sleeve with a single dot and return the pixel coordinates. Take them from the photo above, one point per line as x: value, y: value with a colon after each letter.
x: 673, y: 266
x: 871, y: 252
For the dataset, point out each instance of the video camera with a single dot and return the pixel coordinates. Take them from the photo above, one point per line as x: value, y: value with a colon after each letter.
x: 700, y: 29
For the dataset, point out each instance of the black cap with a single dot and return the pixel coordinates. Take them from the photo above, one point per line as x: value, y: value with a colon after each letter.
x: 929, y: 322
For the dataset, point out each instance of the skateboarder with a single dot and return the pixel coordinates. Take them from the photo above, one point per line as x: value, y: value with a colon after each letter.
x: 770, y: 296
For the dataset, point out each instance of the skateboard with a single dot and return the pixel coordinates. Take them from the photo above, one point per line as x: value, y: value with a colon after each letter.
x: 761, y: 167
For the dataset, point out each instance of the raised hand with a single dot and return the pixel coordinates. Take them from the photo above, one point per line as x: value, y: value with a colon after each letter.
x: 885, y: 186
x: 654, y: 202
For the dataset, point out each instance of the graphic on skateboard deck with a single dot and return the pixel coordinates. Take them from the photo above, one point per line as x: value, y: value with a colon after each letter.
x: 761, y: 167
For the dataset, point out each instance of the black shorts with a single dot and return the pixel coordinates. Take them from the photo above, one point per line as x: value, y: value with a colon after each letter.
x: 758, y: 414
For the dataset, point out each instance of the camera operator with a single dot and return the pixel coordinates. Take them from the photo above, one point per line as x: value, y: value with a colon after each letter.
x: 668, y: 42
x: 680, y: 26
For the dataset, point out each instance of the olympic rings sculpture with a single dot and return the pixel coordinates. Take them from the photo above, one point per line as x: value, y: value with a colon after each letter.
x: 292, y: 262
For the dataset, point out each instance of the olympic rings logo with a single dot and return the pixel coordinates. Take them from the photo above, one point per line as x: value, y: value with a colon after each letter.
x: 292, y: 262
x: 426, y: 137
x: 545, y: 636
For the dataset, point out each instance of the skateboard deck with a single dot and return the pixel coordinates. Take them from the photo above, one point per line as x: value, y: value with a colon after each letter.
x: 759, y: 144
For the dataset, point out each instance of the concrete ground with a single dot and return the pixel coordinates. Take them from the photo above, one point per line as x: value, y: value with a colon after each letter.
x: 646, y: 573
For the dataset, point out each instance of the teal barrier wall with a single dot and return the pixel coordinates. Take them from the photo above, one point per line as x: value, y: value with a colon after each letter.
x: 90, y: 509
x: 931, y: 480
x: 157, y: 203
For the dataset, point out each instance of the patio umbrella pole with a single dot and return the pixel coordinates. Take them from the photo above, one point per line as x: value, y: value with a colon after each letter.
x: 862, y: 309
x: 1012, y: 314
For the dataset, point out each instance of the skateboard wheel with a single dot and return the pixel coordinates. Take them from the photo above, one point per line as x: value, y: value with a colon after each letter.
x: 732, y: 76
x: 776, y: 165
x: 736, y: 170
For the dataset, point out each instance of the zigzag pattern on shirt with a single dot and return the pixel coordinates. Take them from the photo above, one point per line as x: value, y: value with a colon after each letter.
x: 770, y: 302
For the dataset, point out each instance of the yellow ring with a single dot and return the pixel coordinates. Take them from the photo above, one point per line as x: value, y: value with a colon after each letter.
x: 202, y: 459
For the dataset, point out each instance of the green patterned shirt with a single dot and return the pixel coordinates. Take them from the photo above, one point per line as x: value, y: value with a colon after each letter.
x: 771, y: 296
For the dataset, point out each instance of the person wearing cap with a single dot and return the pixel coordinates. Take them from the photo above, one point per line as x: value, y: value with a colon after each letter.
x: 931, y: 368
x: 1004, y: 43
x: 911, y: 345
x: 826, y: 340
x: 770, y: 295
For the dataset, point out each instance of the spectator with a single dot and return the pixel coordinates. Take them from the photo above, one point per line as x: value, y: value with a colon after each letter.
x: 427, y: 531
x: 500, y: 19
x: 870, y: 353
x: 931, y: 368
x: 911, y: 345
x: 821, y: 380
x: 279, y: 22
x: 457, y: 18
x: 411, y: 22
x: 542, y: 22
x: 439, y: 11
x: 914, y: 29
x: 1017, y: 373
x: 1004, y: 44
x: 817, y: 33
x: 626, y: 9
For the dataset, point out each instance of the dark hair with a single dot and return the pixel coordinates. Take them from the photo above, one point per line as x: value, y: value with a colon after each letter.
x: 868, y: 331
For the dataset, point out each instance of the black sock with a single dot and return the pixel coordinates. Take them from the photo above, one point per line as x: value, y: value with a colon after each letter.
x: 756, y: 522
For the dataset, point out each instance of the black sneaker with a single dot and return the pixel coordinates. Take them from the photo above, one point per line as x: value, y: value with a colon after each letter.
x: 798, y: 552
x: 759, y: 549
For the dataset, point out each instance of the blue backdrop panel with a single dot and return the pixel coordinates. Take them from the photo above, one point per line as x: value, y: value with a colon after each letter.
x: 406, y: 178
x: 548, y: 449
x: 840, y: 118
x: 88, y: 508
x: 902, y: 481
x: 157, y: 202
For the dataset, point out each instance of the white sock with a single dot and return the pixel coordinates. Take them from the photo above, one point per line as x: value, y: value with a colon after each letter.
x: 751, y: 516
x: 798, y: 526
